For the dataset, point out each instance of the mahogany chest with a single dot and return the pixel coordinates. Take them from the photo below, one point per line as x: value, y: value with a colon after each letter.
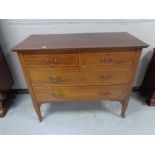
x: 6, y: 82
x: 147, y: 89
x: 75, y: 67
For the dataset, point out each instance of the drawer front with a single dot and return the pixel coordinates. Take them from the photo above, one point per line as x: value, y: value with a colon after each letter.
x: 105, y: 76
x: 108, y: 58
x: 47, y: 94
x: 51, y: 60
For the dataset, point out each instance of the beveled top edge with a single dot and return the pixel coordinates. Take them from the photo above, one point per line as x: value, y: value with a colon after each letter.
x: 79, y: 41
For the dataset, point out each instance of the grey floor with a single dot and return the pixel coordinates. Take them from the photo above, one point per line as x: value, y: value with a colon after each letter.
x: 79, y: 118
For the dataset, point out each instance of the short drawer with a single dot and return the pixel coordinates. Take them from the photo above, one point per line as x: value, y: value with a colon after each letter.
x: 84, y: 76
x: 51, y: 60
x: 108, y: 58
x: 54, y: 93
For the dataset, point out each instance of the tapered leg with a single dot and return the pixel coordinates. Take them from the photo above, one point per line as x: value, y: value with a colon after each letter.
x: 28, y: 81
x: 37, y: 109
x: 124, y: 106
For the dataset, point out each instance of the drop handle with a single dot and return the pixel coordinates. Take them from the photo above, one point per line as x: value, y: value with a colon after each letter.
x: 103, y: 93
x: 46, y: 61
x: 60, y: 95
x: 104, y: 77
x: 54, y: 62
x: 57, y: 79
x: 107, y: 59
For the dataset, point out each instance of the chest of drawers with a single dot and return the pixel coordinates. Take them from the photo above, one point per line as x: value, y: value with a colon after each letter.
x: 6, y: 82
x: 75, y: 67
x: 147, y: 89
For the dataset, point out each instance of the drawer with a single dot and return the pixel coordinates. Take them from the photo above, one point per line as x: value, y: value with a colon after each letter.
x: 81, y: 76
x: 108, y: 58
x: 54, y: 93
x: 51, y: 60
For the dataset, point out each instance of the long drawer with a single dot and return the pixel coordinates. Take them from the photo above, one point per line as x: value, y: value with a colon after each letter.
x: 56, y: 93
x: 83, y: 76
x: 51, y: 60
x: 108, y: 58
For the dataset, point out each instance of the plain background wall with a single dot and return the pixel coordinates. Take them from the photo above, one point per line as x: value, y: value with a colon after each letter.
x: 14, y: 31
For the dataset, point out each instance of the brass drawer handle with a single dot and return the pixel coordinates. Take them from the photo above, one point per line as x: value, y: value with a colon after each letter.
x: 54, y: 62
x: 60, y: 95
x: 57, y: 79
x: 105, y: 60
x: 46, y: 61
x: 104, y: 93
x: 104, y: 77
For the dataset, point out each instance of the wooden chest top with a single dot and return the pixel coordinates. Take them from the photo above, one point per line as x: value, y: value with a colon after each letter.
x: 79, y: 41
